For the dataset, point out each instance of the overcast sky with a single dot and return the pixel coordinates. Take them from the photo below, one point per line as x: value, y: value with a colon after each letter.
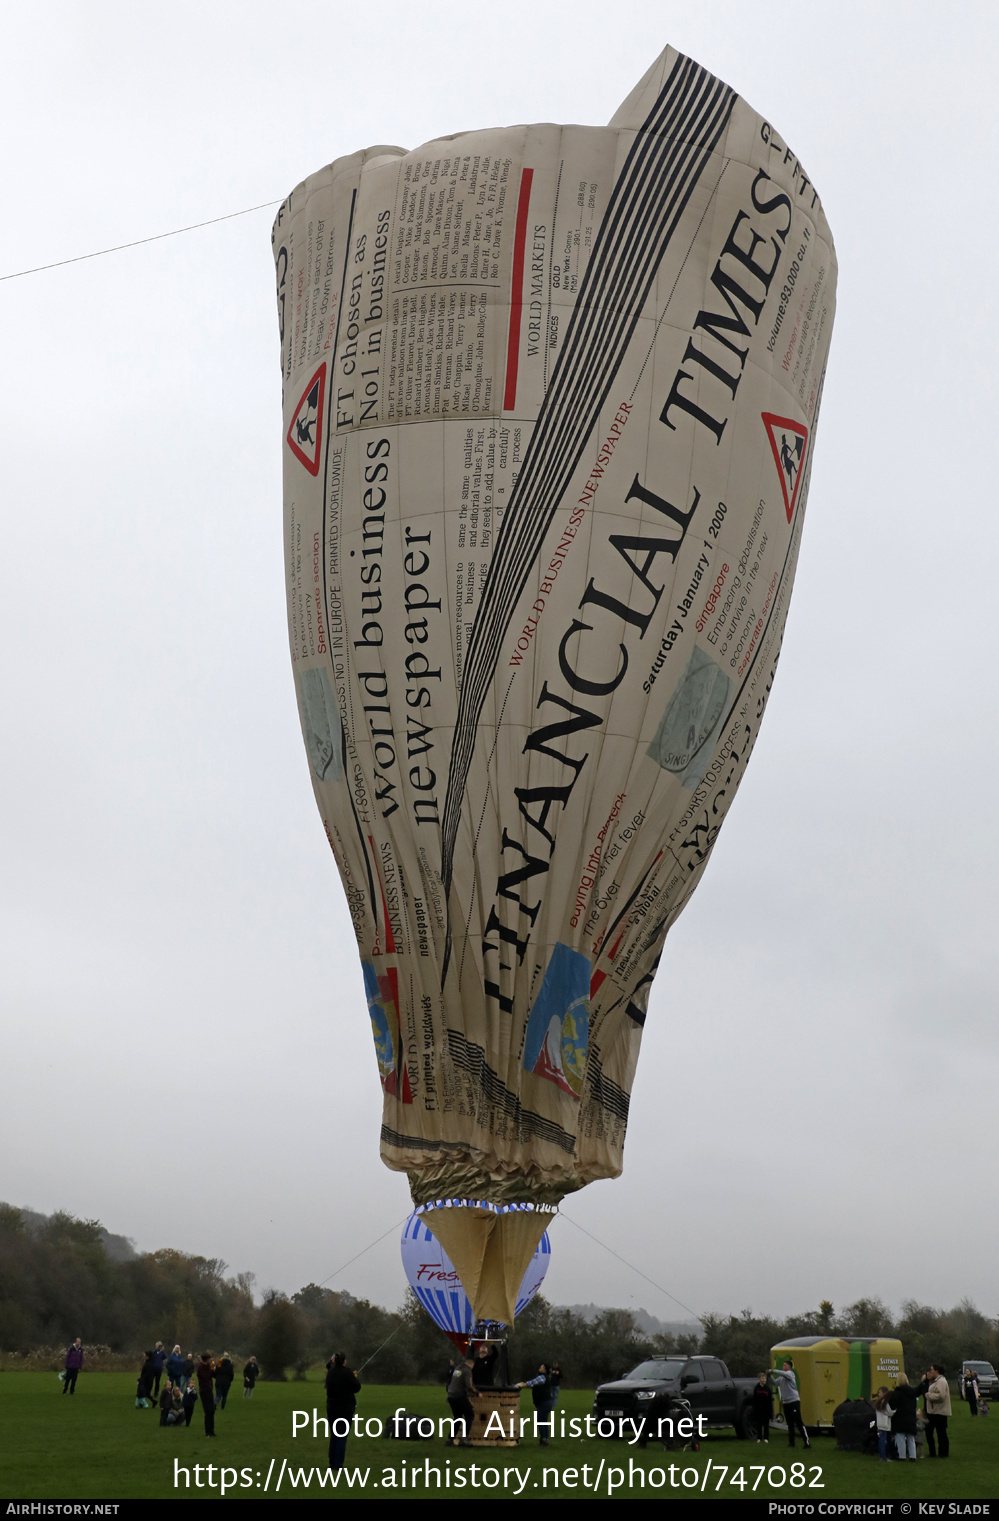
x: 187, y: 1054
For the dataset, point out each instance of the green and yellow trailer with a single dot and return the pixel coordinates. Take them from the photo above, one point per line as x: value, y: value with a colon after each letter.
x: 831, y: 1369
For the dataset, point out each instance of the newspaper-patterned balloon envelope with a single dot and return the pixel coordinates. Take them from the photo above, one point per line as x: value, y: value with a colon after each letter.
x: 550, y: 400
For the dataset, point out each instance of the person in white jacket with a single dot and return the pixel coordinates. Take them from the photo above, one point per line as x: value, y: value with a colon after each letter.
x: 937, y: 1392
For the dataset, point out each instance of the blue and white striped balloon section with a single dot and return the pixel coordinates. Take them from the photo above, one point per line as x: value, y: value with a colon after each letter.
x: 437, y: 1286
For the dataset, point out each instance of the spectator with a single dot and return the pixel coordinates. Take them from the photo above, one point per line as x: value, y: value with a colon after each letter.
x: 904, y: 1402
x: 73, y: 1364
x: 189, y: 1401
x: 251, y: 1372
x: 762, y: 1407
x: 188, y: 1368
x: 166, y: 1403
x: 175, y: 1368
x: 144, y: 1391
x: 937, y: 1392
x: 341, y: 1387
x: 224, y: 1375
x: 969, y: 1389
x: 205, y: 1392
x: 882, y: 1419
x: 159, y: 1358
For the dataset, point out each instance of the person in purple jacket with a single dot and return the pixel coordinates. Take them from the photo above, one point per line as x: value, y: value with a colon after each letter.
x: 74, y: 1362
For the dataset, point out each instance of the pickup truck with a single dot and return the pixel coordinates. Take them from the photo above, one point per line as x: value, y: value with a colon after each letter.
x: 703, y: 1380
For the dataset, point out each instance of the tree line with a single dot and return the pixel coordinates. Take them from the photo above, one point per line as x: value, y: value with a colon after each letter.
x: 61, y: 1278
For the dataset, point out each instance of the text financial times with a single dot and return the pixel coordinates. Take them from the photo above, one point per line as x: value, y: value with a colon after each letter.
x: 742, y: 276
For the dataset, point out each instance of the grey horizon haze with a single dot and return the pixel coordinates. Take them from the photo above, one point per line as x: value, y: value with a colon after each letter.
x: 187, y: 1052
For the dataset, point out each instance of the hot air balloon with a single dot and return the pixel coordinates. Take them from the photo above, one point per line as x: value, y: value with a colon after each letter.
x: 550, y: 400
x: 434, y: 1280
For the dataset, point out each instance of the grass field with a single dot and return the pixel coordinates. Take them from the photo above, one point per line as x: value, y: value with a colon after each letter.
x: 95, y: 1445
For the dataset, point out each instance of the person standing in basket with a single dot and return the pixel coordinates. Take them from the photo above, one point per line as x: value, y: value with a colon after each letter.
x: 341, y: 1387
x: 73, y: 1364
x: 790, y: 1398
x: 485, y: 1364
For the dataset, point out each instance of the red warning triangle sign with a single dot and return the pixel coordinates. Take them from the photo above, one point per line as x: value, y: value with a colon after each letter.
x: 305, y: 436
x: 789, y: 442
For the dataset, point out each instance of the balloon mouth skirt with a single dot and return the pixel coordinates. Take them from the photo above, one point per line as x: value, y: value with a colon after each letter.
x: 490, y: 1246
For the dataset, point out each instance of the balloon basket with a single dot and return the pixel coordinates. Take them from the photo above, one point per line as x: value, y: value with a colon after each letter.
x: 501, y: 1403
